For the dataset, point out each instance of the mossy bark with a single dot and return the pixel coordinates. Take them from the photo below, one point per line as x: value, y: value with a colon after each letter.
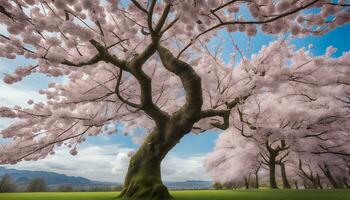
x: 143, y: 180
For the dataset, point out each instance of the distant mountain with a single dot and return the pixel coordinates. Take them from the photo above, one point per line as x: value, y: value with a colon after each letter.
x: 189, y: 185
x: 52, y: 179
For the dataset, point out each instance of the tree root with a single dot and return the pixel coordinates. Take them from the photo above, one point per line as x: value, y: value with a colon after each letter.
x: 137, y: 191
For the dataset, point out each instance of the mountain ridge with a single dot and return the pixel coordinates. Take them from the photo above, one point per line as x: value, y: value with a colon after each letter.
x: 53, y: 179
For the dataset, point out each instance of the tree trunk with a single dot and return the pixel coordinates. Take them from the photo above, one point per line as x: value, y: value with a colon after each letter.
x: 256, y: 180
x: 305, y: 184
x: 296, y: 185
x: 143, y: 179
x: 329, y: 176
x: 319, y: 182
x: 272, y: 167
x: 273, y: 183
x: 257, y: 175
x: 246, y: 182
x: 273, y: 153
x: 286, y: 184
x: 310, y: 177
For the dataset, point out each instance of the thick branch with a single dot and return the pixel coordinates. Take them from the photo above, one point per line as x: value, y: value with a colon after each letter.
x: 236, y: 101
x: 107, y: 57
x: 92, y: 61
x: 147, y: 104
x: 163, y: 18
x: 225, y: 114
x: 150, y: 16
x: 190, y: 81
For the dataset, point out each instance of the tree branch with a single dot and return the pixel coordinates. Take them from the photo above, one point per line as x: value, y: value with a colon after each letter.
x: 163, y: 18
x: 139, y: 6
x: 118, y: 92
x: 150, y: 16
x: 247, y: 22
x: 92, y: 61
x: 190, y: 81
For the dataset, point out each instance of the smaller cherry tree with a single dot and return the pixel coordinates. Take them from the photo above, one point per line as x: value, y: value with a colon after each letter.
x: 234, y: 159
x: 296, y: 108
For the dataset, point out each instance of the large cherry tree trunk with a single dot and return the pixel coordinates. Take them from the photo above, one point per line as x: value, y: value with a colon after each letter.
x: 143, y: 180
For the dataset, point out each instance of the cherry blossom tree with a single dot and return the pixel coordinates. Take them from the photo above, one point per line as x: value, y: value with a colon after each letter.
x: 326, y: 169
x: 234, y: 159
x: 296, y: 111
x: 140, y: 63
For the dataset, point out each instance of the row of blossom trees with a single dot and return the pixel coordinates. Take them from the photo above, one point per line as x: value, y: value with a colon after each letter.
x: 295, y: 120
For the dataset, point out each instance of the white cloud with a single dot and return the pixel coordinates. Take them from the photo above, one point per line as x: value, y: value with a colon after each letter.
x: 93, y: 162
x: 182, y: 168
x: 5, y: 122
x: 110, y: 163
x: 11, y: 95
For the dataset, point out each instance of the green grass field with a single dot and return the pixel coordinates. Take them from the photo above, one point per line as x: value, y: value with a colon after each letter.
x: 196, y: 195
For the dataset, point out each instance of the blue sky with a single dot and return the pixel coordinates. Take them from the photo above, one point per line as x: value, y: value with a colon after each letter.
x: 105, y: 155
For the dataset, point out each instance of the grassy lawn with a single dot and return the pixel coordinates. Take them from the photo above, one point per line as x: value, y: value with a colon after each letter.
x: 196, y: 195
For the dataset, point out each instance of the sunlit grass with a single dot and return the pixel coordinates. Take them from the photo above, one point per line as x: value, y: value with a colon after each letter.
x: 196, y: 195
